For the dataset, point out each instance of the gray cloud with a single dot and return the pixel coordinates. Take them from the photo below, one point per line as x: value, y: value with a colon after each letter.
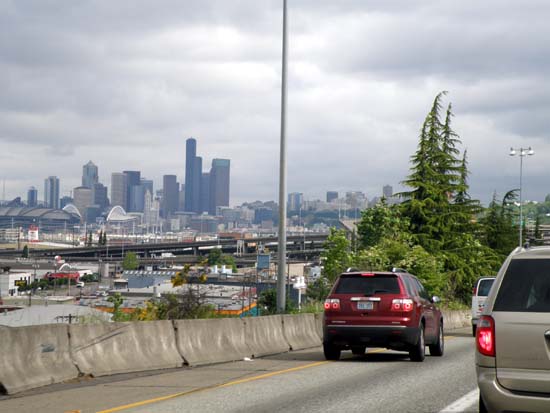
x: 125, y: 83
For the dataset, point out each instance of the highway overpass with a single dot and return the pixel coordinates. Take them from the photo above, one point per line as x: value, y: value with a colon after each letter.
x: 296, y: 245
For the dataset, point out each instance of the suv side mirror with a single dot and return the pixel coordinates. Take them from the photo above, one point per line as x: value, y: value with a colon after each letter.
x: 435, y: 299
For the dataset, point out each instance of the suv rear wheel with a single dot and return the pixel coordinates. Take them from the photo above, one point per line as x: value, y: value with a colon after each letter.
x: 331, y: 352
x: 418, y: 351
x: 438, y: 347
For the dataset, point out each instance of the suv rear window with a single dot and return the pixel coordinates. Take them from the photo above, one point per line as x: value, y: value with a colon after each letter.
x: 367, y: 285
x: 484, y: 287
x: 525, y: 287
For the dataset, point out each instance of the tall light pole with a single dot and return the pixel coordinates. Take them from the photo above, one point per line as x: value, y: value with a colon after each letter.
x: 281, y: 267
x: 521, y: 152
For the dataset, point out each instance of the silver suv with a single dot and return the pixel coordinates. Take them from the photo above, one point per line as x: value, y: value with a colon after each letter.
x: 513, y: 336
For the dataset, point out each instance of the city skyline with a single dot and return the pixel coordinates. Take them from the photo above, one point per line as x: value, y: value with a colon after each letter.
x: 356, y: 97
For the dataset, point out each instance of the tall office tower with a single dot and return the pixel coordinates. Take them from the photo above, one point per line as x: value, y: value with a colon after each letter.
x: 331, y: 196
x: 387, y: 191
x: 197, y: 179
x: 119, y: 189
x: 170, y: 198
x: 193, y: 174
x: 181, y: 202
x: 51, y: 192
x: 219, y: 184
x: 205, y: 192
x: 32, y: 197
x: 147, y: 209
x: 82, y: 200
x: 295, y: 201
x: 99, y: 196
x: 190, y: 153
x: 148, y: 184
x: 89, y: 175
x: 133, y: 180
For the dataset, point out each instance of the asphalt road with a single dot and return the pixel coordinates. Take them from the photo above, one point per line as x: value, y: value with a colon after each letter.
x: 380, y: 381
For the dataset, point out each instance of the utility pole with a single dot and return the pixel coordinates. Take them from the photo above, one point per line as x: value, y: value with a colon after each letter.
x: 281, y: 293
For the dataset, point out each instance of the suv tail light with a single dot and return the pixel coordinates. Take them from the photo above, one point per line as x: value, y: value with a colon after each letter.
x: 332, y: 304
x: 485, y: 336
x: 474, y: 290
x: 402, y: 304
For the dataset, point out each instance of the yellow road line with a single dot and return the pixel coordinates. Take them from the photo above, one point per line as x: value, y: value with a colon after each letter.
x: 231, y: 383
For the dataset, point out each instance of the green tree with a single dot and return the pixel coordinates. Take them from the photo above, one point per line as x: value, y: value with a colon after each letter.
x: 498, y: 229
x: 267, y: 301
x: 130, y: 261
x: 318, y: 290
x: 117, y: 301
x: 381, y: 221
x: 337, y: 255
x: 214, y: 256
x: 25, y: 252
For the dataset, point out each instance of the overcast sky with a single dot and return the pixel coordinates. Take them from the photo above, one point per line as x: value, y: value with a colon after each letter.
x: 124, y: 83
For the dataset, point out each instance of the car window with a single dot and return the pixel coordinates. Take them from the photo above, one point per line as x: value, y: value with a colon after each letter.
x: 411, y: 285
x: 421, y: 291
x: 380, y: 284
x: 525, y: 287
x: 484, y: 287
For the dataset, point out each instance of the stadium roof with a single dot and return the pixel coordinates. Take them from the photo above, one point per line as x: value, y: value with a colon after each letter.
x: 36, y: 213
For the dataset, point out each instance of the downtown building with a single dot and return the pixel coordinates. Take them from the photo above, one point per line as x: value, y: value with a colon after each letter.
x: 51, y: 192
x: 205, y: 192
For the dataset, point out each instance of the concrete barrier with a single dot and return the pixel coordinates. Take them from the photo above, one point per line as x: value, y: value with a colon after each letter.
x: 320, y: 321
x: 301, y: 331
x: 264, y: 335
x: 34, y: 356
x: 111, y: 348
x: 211, y: 341
x: 454, y: 319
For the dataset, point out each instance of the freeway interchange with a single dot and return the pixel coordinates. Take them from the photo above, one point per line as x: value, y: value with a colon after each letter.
x: 296, y: 381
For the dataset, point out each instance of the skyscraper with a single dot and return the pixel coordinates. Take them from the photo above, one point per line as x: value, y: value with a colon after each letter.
x: 133, y: 180
x: 387, y: 191
x: 170, y: 195
x: 51, y: 192
x: 295, y: 201
x: 332, y: 195
x: 99, y: 195
x: 82, y: 199
x: 32, y: 197
x: 89, y: 175
x: 193, y: 176
x: 219, y: 184
x: 119, y: 185
x: 205, y: 192
x: 190, y: 154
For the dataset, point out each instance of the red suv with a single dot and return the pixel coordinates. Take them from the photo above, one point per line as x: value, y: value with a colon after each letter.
x: 381, y: 309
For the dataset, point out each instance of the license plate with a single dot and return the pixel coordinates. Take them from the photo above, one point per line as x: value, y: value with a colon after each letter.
x: 365, y: 305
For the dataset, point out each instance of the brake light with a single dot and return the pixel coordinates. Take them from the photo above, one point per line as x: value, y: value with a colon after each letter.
x: 402, y: 304
x: 485, y: 336
x: 367, y: 274
x: 474, y: 291
x: 332, y: 304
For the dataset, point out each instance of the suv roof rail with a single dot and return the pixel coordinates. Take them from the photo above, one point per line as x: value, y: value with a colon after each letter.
x: 395, y: 269
x: 352, y: 269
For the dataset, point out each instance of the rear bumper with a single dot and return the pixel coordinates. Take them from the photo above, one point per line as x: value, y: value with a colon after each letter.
x: 395, y: 337
x: 499, y: 399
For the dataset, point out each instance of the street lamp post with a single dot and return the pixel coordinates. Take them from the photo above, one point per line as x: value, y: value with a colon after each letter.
x: 521, y: 152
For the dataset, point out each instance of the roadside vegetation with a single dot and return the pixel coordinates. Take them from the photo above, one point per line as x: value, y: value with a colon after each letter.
x: 439, y: 233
